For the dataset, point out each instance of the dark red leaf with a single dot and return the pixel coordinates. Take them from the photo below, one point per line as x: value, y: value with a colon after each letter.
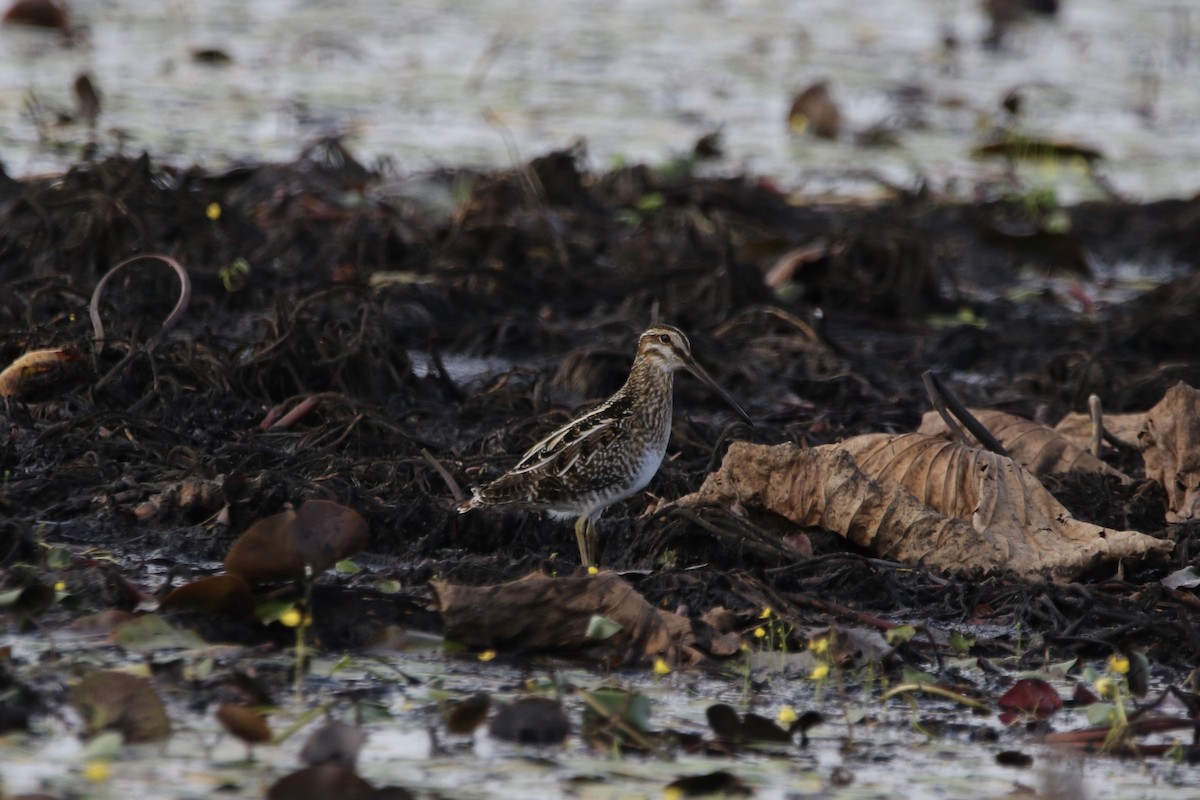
x: 1031, y: 694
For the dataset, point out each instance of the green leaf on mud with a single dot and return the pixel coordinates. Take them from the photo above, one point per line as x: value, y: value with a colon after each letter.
x: 601, y: 628
x: 900, y: 635
x: 914, y: 675
x: 152, y: 632
x: 347, y: 567
x: 57, y: 557
x: 960, y: 643
x: 272, y: 610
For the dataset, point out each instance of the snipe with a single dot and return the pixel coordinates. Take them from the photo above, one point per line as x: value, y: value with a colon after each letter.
x: 608, y: 454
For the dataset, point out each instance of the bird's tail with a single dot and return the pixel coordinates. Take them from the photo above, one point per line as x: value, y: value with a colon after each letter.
x: 474, y: 501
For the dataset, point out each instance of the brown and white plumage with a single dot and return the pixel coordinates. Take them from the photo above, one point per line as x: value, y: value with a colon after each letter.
x: 607, y: 454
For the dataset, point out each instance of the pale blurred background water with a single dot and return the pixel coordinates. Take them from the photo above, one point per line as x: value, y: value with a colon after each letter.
x: 416, y: 83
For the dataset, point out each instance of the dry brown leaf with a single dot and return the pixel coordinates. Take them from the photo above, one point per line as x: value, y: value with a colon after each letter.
x: 1124, y: 427
x: 1038, y: 448
x: 540, y: 613
x: 1170, y: 444
x: 922, y: 500
x: 40, y: 373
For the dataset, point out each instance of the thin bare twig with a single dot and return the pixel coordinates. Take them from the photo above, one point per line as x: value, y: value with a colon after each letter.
x: 185, y: 296
x: 945, y: 402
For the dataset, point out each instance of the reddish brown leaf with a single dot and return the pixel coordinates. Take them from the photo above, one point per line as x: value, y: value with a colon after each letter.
x: 468, y: 714
x: 1083, y: 696
x: 276, y: 548
x: 267, y: 551
x: 327, y: 532
x: 38, y: 13
x: 1033, y: 695
x: 328, y: 780
x: 244, y: 722
x: 214, y: 594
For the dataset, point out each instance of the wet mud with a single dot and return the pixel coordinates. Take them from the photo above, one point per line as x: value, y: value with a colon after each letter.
x: 431, y: 349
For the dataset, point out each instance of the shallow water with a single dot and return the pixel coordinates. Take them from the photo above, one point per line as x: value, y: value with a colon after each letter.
x: 890, y: 752
x: 447, y: 82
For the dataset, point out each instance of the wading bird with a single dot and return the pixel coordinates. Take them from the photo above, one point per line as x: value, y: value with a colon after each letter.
x: 608, y: 454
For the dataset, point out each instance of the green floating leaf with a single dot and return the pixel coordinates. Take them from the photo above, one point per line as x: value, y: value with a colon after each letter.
x: 152, y: 632
x: 347, y: 567
x: 1101, y: 714
x: 631, y: 708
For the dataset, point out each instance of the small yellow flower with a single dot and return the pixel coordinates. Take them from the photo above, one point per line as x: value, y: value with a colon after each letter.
x: 673, y: 793
x: 819, y: 646
x: 788, y: 715
x: 766, y: 613
x: 291, y: 617
x: 1118, y: 664
x: 96, y: 771
x: 819, y: 673
x: 760, y: 632
x: 745, y: 648
x: 1106, y: 688
x: 60, y: 586
x: 661, y: 667
x: 593, y: 571
x: 487, y: 655
x: 213, y: 211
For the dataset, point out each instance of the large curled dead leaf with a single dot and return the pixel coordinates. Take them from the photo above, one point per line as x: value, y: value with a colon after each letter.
x: 1170, y: 443
x: 539, y: 613
x: 922, y: 500
x: 119, y: 701
x: 1077, y: 427
x: 278, y: 547
x: 1038, y: 448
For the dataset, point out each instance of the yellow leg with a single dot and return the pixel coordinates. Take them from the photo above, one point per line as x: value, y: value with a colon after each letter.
x: 585, y: 537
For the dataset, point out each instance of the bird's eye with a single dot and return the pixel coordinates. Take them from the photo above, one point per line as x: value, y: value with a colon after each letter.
x: 665, y: 339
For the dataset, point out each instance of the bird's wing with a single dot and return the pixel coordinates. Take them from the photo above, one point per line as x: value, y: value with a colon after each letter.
x: 559, y: 452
